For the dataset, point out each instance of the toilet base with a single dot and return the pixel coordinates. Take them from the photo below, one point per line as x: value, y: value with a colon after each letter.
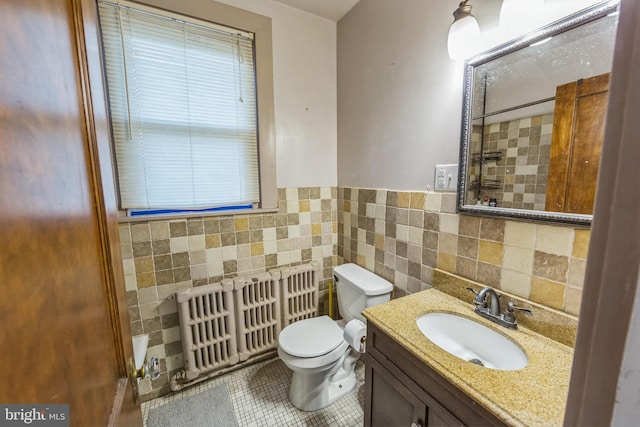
x: 310, y: 392
x: 307, y: 397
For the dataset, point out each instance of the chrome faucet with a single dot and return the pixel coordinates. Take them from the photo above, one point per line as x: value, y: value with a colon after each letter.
x: 491, y: 309
x: 480, y: 300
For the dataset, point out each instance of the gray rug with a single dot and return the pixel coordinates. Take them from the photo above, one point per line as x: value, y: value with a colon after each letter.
x: 211, y: 408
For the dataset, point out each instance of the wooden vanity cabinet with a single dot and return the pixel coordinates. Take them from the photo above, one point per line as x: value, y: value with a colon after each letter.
x: 400, y: 390
x: 398, y: 401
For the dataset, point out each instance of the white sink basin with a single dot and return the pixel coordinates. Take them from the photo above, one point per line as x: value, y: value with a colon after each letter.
x: 472, y: 341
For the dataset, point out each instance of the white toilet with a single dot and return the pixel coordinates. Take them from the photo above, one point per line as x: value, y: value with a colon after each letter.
x: 316, y: 349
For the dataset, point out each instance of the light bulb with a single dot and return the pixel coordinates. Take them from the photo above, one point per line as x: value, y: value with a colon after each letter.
x: 463, y: 34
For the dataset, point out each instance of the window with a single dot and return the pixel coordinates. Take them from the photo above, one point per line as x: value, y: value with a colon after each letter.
x: 184, y: 108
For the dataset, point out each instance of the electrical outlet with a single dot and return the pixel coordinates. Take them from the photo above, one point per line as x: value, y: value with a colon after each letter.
x: 446, y: 178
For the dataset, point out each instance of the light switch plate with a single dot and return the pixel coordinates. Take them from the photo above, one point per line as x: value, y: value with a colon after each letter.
x: 446, y: 178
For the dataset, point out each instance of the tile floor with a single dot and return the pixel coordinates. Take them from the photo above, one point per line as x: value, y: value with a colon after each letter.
x: 259, y: 394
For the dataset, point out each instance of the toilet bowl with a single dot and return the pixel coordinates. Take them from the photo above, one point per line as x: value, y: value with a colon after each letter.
x: 321, y: 360
x: 322, y: 352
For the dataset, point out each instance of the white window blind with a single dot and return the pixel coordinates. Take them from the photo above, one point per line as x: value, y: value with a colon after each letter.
x: 183, y: 111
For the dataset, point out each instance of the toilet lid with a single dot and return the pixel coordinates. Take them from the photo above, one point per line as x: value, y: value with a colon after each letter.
x: 310, y: 337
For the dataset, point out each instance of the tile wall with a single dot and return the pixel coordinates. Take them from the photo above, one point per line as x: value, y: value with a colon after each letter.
x: 515, y: 163
x: 403, y: 236
x: 163, y: 257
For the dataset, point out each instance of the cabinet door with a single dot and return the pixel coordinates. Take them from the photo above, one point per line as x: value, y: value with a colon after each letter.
x: 389, y: 401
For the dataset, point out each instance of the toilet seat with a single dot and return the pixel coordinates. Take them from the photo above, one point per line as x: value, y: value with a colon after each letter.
x: 311, y: 338
x: 314, y: 364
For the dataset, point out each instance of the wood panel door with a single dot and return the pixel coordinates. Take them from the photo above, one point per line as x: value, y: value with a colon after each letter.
x: 576, y: 144
x: 64, y: 334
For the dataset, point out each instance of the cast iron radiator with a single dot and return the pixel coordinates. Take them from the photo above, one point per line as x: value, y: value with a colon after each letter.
x: 229, y: 322
x: 207, y: 324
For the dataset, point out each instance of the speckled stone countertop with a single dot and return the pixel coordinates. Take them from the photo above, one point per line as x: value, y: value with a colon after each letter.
x: 533, y: 396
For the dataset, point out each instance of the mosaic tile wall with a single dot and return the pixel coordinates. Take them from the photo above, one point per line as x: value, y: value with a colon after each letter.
x: 515, y: 164
x: 165, y: 256
x: 403, y: 236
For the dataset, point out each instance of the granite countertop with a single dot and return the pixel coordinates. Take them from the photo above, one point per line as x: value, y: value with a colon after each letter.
x: 533, y: 396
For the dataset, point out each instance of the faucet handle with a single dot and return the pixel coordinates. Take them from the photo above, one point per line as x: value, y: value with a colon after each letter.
x: 476, y: 301
x: 509, y: 315
x: 511, y: 307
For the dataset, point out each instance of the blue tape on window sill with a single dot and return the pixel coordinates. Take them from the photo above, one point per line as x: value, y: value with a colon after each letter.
x: 134, y: 213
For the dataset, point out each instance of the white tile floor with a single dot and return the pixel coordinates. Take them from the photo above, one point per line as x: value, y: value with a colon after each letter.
x: 259, y: 394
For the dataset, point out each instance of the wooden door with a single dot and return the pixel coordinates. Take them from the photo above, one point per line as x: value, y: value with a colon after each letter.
x: 64, y: 334
x: 576, y: 144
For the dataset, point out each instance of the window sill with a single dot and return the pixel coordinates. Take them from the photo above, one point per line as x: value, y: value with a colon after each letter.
x: 160, y: 217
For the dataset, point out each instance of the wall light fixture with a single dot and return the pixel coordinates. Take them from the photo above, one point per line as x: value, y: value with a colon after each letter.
x: 463, y: 33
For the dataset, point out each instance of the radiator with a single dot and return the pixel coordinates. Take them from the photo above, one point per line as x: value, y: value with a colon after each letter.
x: 207, y: 323
x: 299, y: 292
x: 257, y: 303
x: 228, y: 322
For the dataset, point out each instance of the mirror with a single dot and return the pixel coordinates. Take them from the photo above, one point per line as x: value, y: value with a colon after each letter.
x: 533, y: 121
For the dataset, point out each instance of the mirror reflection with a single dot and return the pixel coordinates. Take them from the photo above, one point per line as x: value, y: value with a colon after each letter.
x: 534, y: 120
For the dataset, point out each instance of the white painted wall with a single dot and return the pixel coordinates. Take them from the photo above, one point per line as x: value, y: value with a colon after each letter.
x: 305, y: 91
x: 399, y: 94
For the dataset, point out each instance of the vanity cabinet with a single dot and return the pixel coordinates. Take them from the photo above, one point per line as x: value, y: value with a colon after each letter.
x: 401, y: 390
x: 398, y: 401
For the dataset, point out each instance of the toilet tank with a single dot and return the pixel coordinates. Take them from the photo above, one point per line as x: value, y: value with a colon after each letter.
x: 357, y: 289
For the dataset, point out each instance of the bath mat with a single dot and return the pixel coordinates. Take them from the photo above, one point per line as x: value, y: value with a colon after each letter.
x: 211, y: 408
